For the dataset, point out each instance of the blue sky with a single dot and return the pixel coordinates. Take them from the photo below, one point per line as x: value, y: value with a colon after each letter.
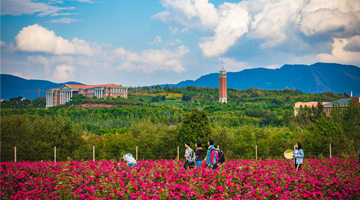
x: 137, y: 42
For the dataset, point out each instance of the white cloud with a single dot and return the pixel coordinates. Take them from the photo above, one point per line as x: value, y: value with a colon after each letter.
x: 85, y: 1
x: 329, y: 21
x: 272, y: 23
x: 338, y: 54
x: 233, y: 24
x: 64, y: 73
x: 40, y: 60
x: 173, y: 42
x: 353, y: 44
x: 2, y: 44
x: 151, y: 60
x: 60, y: 14
x: 185, y: 10
x: 173, y: 30
x: 63, y: 20
x: 18, y: 74
x: 184, y: 30
x: 231, y: 65
x: 272, y: 66
x: 162, y: 16
x: 20, y: 7
x: 62, y: 60
x: 36, y: 38
x: 157, y: 39
x: 54, y: 60
x: 55, y: 1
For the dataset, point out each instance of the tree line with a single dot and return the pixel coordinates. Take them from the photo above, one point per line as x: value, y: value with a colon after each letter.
x: 35, y: 135
x: 279, y: 97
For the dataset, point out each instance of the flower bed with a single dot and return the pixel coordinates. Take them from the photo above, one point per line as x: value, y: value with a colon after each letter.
x: 335, y: 178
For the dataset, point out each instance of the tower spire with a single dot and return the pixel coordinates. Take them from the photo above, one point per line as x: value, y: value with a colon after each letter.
x: 222, y: 68
x: 222, y: 86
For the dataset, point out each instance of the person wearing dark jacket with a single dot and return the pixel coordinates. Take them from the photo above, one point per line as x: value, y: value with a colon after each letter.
x: 198, y: 154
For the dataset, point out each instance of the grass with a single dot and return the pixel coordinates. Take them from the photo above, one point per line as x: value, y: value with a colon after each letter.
x: 171, y: 102
x: 166, y: 102
x: 146, y: 98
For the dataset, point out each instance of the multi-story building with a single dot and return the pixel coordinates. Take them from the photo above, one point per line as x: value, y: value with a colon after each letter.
x: 222, y: 86
x: 64, y: 94
x: 307, y: 104
x: 342, y: 103
x: 328, y: 106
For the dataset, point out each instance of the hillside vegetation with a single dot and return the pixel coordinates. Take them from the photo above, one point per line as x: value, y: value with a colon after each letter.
x: 252, y: 117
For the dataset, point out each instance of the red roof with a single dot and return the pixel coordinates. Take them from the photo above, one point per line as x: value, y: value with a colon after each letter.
x: 90, y: 86
x: 93, y: 86
x: 313, y: 103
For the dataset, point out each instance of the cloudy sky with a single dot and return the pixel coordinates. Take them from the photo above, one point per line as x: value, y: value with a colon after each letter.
x: 133, y: 42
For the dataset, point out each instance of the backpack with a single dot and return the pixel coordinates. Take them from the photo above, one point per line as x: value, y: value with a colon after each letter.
x: 192, y: 156
x: 221, y: 156
x: 216, y: 157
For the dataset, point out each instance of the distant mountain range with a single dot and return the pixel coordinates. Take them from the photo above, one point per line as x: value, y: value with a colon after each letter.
x: 316, y: 78
x: 11, y: 86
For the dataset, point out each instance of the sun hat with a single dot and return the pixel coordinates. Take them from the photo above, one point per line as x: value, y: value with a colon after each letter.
x: 288, y: 154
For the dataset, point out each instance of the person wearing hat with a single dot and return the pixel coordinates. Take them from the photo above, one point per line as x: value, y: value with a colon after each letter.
x: 131, y: 162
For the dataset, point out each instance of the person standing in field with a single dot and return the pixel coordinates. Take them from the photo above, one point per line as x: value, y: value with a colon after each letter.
x: 221, y: 156
x: 211, y: 155
x: 359, y: 154
x: 198, y: 154
x: 298, y: 155
x: 189, y: 156
x: 131, y: 162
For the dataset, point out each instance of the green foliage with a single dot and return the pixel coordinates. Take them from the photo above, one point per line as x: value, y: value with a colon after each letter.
x: 20, y: 102
x: 245, y: 143
x: 252, y: 117
x: 186, y: 97
x: 155, y: 99
x: 81, y: 99
x: 195, y: 127
x: 35, y: 139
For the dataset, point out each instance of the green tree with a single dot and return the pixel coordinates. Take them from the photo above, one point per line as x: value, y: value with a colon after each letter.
x: 195, y: 127
x: 245, y: 143
x: 186, y: 97
x: 154, y: 99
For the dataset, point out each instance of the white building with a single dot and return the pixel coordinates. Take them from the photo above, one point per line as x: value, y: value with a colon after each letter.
x: 62, y: 95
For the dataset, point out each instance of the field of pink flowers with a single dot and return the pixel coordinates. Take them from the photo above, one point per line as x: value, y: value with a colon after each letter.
x: 335, y: 178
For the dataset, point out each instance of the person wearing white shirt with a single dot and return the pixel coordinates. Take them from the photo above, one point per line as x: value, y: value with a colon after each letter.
x: 130, y: 160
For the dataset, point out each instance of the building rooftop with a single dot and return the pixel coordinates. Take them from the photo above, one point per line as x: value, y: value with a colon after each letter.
x: 89, y: 86
x: 309, y: 104
x: 342, y: 102
x: 93, y: 86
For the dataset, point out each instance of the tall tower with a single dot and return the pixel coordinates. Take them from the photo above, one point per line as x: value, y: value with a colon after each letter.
x: 222, y: 86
